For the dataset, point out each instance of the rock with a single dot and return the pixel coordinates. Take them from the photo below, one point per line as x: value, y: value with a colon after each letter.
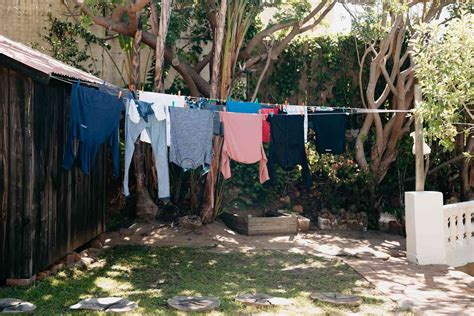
x: 190, y: 222
x: 298, y: 209
x: 91, y: 253
x: 337, y: 299
x: 262, y: 300
x: 125, y: 231
x: 96, y: 243
x: 107, y: 304
x: 303, y: 223
x: 72, y: 257
x: 43, y: 274
x: 21, y: 282
x: 55, y: 268
x: 12, y: 305
x: 81, y: 265
x: 286, y: 200
x: 387, y: 217
x: 102, y: 238
x: 194, y: 303
x: 87, y: 261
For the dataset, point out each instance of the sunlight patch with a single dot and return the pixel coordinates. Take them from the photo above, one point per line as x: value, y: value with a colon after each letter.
x: 112, y: 286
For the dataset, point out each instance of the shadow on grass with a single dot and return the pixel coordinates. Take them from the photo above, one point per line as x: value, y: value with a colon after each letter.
x: 150, y: 276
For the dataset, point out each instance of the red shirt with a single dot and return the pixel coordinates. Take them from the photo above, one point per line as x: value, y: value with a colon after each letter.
x: 266, y: 124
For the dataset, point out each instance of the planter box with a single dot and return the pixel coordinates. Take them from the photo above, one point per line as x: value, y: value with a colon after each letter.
x: 256, y: 225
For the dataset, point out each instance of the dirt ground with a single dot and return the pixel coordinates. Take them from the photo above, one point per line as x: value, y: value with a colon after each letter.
x: 218, y: 237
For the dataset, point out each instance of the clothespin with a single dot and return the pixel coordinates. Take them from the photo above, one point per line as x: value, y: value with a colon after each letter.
x: 120, y: 93
x: 179, y: 92
x: 302, y: 109
x: 256, y: 100
x: 78, y: 82
x: 172, y: 103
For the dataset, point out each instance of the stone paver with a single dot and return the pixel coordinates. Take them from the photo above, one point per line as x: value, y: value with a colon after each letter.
x: 378, y: 257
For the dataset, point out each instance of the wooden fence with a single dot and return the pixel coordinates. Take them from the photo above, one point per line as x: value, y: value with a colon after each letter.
x: 45, y: 212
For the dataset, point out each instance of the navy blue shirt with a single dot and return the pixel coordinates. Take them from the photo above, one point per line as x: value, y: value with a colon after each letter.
x: 287, y: 146
x: 330, y: 130
x: 94, y: 119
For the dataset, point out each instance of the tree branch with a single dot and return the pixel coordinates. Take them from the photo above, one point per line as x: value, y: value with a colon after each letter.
x: 297, y: 29
x: 257, y: 39
x: 199, y: 66
x: 267, y: 64
x: 441, y: 166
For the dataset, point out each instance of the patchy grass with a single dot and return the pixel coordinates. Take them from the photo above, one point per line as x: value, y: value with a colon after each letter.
x: 150, y: 276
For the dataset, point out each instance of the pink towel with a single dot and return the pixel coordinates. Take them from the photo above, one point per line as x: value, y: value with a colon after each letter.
x: 243, y: 142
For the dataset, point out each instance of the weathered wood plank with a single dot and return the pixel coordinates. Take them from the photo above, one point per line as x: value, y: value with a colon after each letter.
x: 16, y: 173
x: 4, y: 167
x: 272, y: 225
x: 28, y: 174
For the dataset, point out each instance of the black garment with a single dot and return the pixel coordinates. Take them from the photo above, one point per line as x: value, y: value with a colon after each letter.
x: 287, y: 146
x: 330, y: 130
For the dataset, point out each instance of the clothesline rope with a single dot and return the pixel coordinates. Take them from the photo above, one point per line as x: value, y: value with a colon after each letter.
x: 329, y: 109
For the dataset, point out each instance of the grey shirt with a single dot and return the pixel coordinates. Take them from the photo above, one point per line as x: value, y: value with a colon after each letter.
x: 191, y: 137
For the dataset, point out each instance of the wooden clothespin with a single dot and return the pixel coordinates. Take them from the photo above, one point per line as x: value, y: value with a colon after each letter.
x: 120, y: 93
x: 179, y: 92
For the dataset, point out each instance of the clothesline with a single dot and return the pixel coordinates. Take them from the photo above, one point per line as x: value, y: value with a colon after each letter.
x: 350, y: 110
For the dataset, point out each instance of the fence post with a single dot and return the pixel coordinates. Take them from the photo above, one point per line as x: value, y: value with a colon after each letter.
x: 419, y: 159
x: 425, y: 227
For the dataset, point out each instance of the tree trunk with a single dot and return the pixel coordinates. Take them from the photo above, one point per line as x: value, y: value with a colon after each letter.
x: 161, y: 33
x: 208, y: 205
x: 145, y: 207
x: 466, y: 171
x: 219, y: 39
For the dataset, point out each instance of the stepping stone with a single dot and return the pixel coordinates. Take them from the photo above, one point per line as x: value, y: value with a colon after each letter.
x: 194, y: 303
x: 262, y: 300
x: 107, y: 304
x: 337, y: 299
x: 13, y: 305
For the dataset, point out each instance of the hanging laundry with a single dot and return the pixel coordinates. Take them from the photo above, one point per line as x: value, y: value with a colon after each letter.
x: 164, y: 102
x: 299, y: 110
x: 330, y: 130
x: 156, y: 129
x: 191, y: 137
x: 287, y: 146
x: 215, y: 107
x: 266, y: 124
x: 243, y: 142
x: 93, y: 120
x: 144, y: 109
x: 243, y: 107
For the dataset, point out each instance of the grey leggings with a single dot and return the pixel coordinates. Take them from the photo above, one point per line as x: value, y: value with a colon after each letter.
x: 157, y: 132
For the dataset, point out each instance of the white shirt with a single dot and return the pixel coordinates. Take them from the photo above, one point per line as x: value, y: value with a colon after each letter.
x: 161, y: 103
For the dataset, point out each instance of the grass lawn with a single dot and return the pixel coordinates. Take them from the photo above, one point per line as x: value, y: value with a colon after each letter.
x: 150, y: 276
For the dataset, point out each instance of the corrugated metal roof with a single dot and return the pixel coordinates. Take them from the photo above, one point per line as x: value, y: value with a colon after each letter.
x: 42, y: 62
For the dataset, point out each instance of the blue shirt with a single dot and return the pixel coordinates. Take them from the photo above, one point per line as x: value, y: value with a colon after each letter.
x: 94, y: 119
x: 243, y: 107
